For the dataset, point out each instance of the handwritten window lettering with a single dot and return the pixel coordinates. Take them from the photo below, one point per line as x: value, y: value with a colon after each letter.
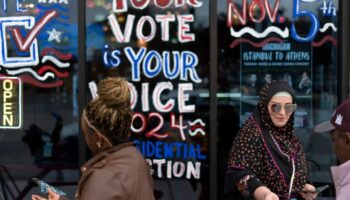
x: 159, y: 118
x: 265, y: 8
x: 276, y: 44
x: 31, y: 49
x: 122, y: 6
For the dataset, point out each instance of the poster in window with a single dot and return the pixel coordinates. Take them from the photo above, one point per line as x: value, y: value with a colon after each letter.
x: 279, y: 45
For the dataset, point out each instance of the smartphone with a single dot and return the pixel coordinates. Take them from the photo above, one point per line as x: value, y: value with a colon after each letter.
x: 44, y: 187
x: 320, y: 189
x: 317, y: 190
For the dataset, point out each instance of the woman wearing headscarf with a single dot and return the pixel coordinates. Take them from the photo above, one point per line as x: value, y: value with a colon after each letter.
x: 266, y: 160
x: 117, y: 170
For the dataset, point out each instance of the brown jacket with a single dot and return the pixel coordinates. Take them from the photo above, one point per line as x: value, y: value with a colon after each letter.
x: 118, y: 173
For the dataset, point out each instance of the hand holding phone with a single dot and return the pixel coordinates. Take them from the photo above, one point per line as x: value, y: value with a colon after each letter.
x: 317, y: 190
x: 44, y: 187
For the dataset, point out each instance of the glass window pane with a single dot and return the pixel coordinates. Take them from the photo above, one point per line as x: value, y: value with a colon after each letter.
x: 162, y: 49
x: 296, y: 41
x: 39, y: 47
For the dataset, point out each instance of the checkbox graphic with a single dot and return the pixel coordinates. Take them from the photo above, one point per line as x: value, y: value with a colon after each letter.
x: 24, y: 43
x: 7, y: 61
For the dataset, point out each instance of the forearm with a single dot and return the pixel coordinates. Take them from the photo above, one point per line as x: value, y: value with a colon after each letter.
x: 243, y: 181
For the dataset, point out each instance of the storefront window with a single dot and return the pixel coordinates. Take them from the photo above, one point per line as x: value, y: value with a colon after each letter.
x: 39, y: 137
x: 162, y: 49
x: 296, y: 41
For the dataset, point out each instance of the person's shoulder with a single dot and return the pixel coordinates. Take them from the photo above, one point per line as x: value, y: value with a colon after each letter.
x: 248, y: 133
x: 128, y: 152
x: 128, y: 156
x: 129, y: 166
x: 124, y: 163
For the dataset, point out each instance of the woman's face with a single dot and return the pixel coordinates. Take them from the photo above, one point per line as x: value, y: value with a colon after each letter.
x: 277, y: 109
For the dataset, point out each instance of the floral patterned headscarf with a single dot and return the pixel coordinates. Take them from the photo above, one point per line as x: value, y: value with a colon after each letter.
x: 284, y: 135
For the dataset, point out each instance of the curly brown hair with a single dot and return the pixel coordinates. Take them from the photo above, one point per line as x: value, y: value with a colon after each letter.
x: 110, y: 112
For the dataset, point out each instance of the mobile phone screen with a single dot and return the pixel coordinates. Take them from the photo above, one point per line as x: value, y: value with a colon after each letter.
x: 44, y: 187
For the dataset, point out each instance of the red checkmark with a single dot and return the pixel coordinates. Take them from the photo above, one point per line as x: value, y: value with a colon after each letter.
x: 24, y: 44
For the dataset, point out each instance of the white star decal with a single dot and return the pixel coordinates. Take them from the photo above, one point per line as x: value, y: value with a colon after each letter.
x: 54, y: 35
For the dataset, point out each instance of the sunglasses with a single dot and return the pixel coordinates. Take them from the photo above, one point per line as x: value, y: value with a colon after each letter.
x: 289, y: 108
